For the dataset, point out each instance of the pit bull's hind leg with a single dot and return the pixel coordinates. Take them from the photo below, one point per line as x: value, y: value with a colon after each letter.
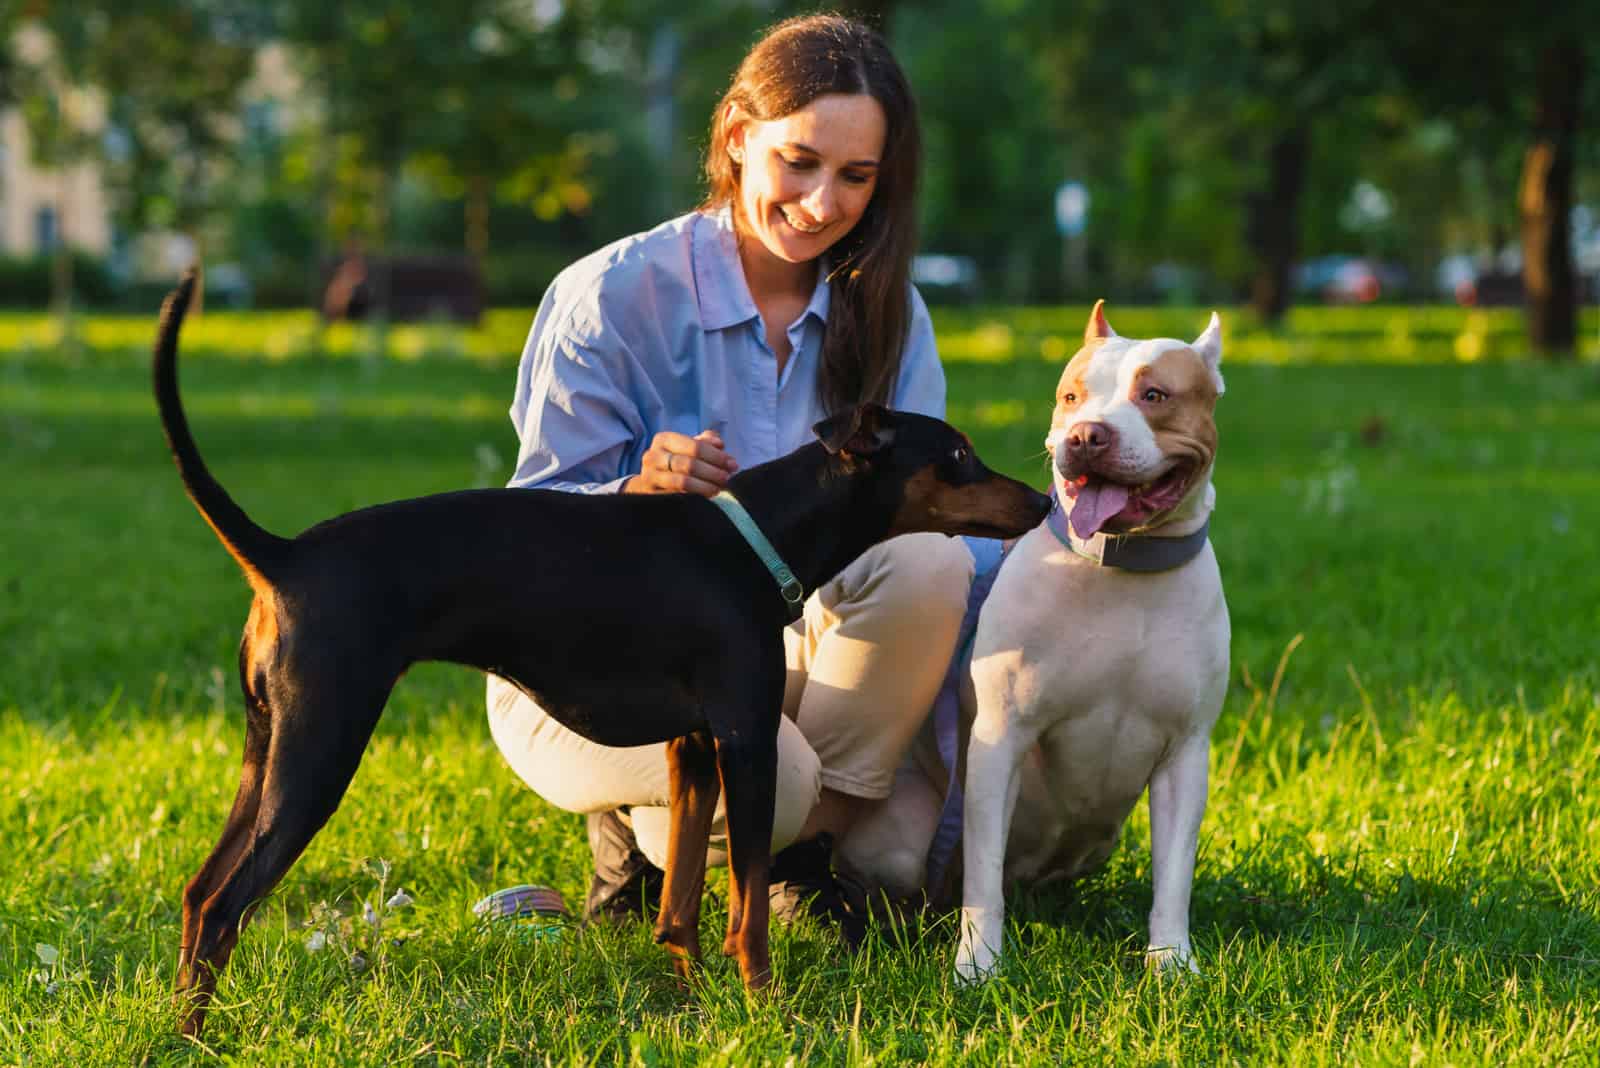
x: 312, y: 749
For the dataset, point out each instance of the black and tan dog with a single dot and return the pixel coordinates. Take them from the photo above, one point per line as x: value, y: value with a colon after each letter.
x: 630, y: 619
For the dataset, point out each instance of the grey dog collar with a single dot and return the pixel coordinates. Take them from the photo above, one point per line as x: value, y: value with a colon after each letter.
x: 1128, y: 552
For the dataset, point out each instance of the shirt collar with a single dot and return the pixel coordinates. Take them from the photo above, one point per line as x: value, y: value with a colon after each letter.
x: 720, y: 286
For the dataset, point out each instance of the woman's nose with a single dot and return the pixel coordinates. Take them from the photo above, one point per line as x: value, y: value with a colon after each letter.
x: 819, y: 203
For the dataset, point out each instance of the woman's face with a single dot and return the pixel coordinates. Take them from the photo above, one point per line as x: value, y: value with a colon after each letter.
x: 807, y: 178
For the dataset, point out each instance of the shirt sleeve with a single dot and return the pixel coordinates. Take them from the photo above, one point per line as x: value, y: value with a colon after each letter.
x: 579, y: 429
x: 920, y: 387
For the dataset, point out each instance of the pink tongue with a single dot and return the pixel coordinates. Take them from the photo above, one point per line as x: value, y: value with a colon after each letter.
x: 1096, y: 503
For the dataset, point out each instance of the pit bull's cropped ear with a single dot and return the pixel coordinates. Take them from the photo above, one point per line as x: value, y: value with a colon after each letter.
x: 1209, y: 347
x: 860, y: 431
x: 1098, y: 327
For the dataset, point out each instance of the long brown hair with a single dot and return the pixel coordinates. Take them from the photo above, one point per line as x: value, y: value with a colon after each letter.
x: 869, y: 268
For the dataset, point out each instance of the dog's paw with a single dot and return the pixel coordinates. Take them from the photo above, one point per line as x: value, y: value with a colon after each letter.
x: 1172, y: 961
x: 975, y: 965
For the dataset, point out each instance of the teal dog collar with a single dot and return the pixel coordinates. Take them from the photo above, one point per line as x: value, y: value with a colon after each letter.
x: 794, y: 594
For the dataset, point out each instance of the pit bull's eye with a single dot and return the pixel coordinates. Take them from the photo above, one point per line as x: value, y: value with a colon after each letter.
x: 961, y: 454
x: 1153, y: 396
x: 1069, y: 398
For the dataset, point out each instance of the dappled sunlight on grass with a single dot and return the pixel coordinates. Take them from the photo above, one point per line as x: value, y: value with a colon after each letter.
x: 276, y: 335
x: 1371, y: 334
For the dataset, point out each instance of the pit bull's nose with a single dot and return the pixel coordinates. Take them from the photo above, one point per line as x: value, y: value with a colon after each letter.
x: 1089, y: 439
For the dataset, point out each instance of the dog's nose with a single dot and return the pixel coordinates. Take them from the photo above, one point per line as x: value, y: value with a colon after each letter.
x: 1090, y: 439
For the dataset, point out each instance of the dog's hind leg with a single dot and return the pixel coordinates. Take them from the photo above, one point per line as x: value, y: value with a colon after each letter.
x: 692, y: 779
x: 312, y: 755
x: 748, y: 764
x: 235, y: 833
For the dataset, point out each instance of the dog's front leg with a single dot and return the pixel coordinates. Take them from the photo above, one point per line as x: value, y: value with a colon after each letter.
x: 692, y: 780
x: 1177, y: 805
x: 994, y: 776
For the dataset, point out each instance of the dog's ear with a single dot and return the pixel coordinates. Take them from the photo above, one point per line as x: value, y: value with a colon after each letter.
x: 1098, y: 327
x: 860, y: 431
x: 1209, y: 348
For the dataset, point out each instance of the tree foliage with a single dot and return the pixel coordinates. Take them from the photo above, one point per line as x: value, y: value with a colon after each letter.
x: 1227, y: 138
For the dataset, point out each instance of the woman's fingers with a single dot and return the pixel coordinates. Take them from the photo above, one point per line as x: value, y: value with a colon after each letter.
x: 709, y: 448
x: 677, y: 463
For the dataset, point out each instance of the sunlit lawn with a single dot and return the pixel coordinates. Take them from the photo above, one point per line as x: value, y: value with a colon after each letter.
x: 1399, y: 864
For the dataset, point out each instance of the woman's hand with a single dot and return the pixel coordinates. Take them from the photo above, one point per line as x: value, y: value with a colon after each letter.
x: 677, y: 463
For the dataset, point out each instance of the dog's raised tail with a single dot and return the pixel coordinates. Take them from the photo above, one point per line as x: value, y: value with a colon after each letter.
x: 257, y: 550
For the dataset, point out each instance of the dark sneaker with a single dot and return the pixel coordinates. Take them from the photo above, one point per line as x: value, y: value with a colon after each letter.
x: 803, y: 883
x: 626, y: 886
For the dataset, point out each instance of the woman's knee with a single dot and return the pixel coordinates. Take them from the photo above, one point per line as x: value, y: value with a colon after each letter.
x: 799, y: 784
x: 923, y: 577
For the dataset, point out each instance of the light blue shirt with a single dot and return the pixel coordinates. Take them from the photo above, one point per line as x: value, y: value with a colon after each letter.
x: 658, y: 331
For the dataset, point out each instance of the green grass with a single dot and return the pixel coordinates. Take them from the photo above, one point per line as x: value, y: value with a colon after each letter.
x: 1398, y: 865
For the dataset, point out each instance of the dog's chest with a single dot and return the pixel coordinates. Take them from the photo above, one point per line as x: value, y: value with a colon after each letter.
x: 1106, y: 668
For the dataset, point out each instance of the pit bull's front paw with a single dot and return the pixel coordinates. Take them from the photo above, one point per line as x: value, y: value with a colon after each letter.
x: 977, y: 957
x: 1172, y: 961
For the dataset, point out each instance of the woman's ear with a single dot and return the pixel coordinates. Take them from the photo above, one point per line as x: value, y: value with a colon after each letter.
x: 735, y: 122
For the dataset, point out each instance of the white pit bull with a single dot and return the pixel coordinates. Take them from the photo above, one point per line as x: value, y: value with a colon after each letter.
x: 1101, y: 657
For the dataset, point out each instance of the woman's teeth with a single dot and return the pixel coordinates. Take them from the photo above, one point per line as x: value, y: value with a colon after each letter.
x: 802, y: 227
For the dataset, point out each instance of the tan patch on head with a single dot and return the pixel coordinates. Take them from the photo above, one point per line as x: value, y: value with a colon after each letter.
x: 932, y: 504
x: 1073, y: 388
x: 1184, y: 423
x: 919, y: 502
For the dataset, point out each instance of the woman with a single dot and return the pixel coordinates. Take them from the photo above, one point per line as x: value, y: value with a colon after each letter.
x: 666, y: 360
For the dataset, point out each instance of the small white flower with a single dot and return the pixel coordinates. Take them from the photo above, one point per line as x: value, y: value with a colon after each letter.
x: 317, y: 941
x: 47, y: 954
x: 400, y: 900
x: 369, y: 914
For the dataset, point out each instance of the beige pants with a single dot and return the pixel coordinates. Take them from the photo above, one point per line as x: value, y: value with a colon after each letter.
x: 865, y: 662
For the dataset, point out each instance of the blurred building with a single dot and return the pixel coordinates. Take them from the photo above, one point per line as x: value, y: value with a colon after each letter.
x: 39, y: 208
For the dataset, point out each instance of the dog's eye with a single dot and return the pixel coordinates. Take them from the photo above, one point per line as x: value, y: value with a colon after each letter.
x: 961, y: 454
x: 1069, y: 398
x: 1153, y: 396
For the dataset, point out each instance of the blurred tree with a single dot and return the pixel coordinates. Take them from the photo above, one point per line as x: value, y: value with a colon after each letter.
x: 10, y: 18
x: 512, y: 104
x: 1238, y: 88
x: 173, y: 72
x: 372, y: 63
x: 988, y: 184
x: 64, y: 113
x: 1522, y: 78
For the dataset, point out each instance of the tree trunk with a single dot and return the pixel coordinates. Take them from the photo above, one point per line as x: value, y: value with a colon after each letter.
x: 383, y: 218
x: 1549, y: 280
x: 61, y: 261
x: 1272, y: 225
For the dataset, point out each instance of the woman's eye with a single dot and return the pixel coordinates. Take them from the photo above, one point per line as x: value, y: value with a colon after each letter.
x: 795, y: 164
x: 1154, y: 396
x: 856, y: 178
